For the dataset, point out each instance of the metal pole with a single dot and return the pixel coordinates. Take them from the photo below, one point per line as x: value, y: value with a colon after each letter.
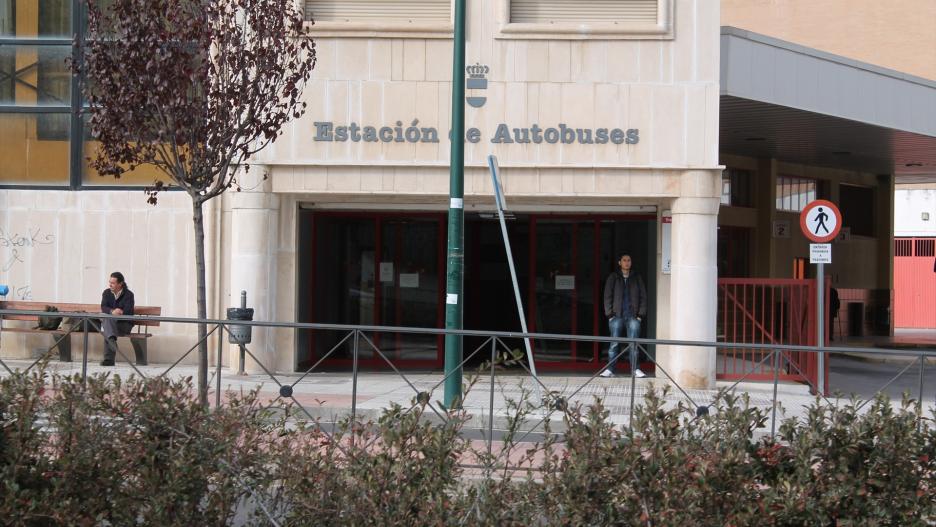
x: 456, y: 253
x: 220, y: 347
x: 491, y: 402
x: 241, y: 346
x: 820, y: 322
x: 776, y: 377
x: 920, y: 399
x: 84, y: 352
x: 354, y: 379
x: 523, y: 323
x: 633, y: 394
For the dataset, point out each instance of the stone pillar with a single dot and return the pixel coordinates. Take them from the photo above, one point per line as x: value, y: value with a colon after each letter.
x: 693, y: 300
x: 253, y: 261
x: 885, y: 238
x: 765, y: 201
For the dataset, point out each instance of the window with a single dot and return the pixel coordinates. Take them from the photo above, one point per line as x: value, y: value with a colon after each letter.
x: 43, y: 136
x: 736, y: 188
x: 583, y: 11
x: 793, y: 193
x: 925, y: 247
x: 734, y: 251
x: 35, y: 92
x: 406, y: 11
x: 583, y: 19
x: 857, y: 206
x: 433, y: 18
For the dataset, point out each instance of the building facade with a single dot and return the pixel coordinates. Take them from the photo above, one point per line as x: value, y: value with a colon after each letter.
x: 636, y: 126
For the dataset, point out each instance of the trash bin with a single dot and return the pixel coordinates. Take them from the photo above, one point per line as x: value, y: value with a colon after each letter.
x: 240, y: 333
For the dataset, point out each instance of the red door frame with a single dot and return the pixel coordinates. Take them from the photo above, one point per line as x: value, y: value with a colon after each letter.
x: 378, y: 217
x: 596, y: 347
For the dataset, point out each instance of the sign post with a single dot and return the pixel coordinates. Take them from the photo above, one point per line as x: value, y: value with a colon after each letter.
x: 501, y: 206
x: 821, y: 222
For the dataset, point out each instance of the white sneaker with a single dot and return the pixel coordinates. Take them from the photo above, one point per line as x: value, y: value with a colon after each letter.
x: 607, y: 373
x: 639, y: 373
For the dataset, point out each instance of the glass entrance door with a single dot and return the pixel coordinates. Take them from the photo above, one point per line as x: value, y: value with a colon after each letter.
x: 388, y: 269
x: 571, y: 258
x: 410, y: 276
x: 377, y: 269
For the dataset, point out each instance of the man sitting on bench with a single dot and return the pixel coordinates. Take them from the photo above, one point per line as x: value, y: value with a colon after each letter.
x: 117, y: 299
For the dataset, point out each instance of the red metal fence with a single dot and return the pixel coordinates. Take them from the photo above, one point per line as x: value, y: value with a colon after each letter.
x: 914, y: 283
x: 770, y: 312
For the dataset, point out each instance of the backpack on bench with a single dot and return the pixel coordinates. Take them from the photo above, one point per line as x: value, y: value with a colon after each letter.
x: 49, y: 322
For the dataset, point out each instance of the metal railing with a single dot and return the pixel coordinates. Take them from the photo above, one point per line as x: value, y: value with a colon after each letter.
x: 494, y: 353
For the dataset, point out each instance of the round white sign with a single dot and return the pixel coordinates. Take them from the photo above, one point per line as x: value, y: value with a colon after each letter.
x: 821, y: 221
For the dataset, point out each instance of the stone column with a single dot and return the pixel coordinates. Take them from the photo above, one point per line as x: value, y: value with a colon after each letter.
x: 885, y: 237
x: 693, y: 300
x: 253, y: 261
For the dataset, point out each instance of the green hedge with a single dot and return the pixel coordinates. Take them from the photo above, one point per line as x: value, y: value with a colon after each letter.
x: 143, y: 452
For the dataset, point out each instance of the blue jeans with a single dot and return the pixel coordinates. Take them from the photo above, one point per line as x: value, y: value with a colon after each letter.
x: 617, y: 326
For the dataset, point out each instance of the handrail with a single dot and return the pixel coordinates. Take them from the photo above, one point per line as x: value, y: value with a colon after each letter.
x: 480, y: 333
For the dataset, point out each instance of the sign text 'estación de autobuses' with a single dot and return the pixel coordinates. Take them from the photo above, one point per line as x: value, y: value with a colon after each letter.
x: 503, y: 134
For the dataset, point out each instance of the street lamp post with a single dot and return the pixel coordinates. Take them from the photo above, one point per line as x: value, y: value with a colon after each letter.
x: 454, y: 298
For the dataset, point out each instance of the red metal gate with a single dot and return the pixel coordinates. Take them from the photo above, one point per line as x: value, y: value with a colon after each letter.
x: 768, y: 312
x: 914, y: 283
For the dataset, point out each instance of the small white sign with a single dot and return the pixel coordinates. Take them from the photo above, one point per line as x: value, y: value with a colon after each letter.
x: 409, y: 279
x: 451, y: 299
x: 667, y: 234
x: 386, y: 272
x: 781, y: 229
x: 820, y: 253
x: 565, y: 282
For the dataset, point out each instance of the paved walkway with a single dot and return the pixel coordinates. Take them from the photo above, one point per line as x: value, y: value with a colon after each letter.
x: 903, y: 339
x: 329, y: 396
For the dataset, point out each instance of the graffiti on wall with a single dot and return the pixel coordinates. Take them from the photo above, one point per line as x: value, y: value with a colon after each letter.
x: 17, y: 249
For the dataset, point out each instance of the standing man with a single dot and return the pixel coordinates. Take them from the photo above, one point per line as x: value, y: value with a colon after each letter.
x: 625, y: 305
x: 117, y: 299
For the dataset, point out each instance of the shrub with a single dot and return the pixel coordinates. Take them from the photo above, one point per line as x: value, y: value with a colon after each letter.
x: 125, y: 452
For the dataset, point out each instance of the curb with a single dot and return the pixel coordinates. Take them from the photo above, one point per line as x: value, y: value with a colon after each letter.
x: 873, y: 358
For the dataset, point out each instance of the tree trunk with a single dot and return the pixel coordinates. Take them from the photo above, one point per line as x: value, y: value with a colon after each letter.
x: 201, y: 297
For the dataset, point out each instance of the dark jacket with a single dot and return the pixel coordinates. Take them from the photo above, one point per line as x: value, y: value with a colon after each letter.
x: 125, y: 302
x: 614, y: 294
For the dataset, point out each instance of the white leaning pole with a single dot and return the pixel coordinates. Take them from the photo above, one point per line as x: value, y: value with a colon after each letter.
x: 500, y: 204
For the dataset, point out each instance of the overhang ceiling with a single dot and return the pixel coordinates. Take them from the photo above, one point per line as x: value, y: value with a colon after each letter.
x: 802, y: 105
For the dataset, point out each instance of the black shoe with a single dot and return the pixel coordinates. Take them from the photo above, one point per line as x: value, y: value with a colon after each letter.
x: 107, y: 362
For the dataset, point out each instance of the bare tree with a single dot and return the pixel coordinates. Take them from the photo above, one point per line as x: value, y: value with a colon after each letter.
x: 193, y: 88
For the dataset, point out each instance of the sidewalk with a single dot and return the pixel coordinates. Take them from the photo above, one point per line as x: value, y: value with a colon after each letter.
x: 911, y: 340
x: 328, y: 396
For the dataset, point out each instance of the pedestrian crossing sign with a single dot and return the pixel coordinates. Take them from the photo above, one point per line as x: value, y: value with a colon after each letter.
x: 821, y: 221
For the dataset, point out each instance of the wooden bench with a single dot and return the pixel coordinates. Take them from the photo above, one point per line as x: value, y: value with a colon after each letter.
x: 137, y: 337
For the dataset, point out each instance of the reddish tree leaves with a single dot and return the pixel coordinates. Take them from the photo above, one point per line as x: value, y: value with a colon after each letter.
x: 193, y: 87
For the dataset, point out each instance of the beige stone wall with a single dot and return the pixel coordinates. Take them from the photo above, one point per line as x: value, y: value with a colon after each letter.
x: 665, y: 86
x: 896, y: 34
x: 61, y: 246
x: 667, y: 89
